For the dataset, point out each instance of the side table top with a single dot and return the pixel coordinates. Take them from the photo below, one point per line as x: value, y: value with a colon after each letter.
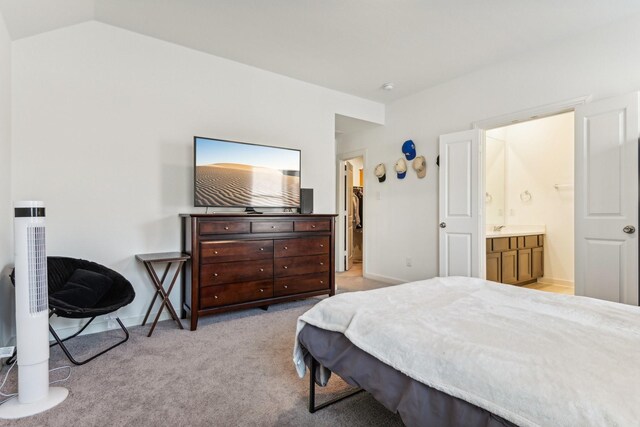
x: 163, y: 257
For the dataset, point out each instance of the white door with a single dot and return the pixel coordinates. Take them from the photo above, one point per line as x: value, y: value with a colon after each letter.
x: 606, y: 210
x: 460, y: 206
x: 348, y: 191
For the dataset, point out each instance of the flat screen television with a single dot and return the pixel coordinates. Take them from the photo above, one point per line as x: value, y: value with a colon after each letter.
x: 239, y: 174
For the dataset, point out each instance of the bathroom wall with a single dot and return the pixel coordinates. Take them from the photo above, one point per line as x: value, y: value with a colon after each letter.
x: 494, y: 181
x: 539, y: 155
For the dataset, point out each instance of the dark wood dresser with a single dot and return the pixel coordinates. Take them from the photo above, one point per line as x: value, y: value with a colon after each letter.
x: 242, y: 261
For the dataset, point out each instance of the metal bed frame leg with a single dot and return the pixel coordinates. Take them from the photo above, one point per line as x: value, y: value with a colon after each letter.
x: 312, y: 391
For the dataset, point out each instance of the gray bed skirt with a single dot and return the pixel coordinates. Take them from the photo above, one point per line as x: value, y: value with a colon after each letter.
x: 417, y: 403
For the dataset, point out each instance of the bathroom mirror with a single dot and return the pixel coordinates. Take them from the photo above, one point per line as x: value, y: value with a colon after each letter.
x: 495, y: 183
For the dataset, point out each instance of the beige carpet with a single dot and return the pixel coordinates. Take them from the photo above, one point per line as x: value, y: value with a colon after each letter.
x: 235, y: 370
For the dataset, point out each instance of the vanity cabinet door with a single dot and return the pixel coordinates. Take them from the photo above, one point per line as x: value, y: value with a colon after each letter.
x: 524, y: 265
x: 509, y: 267
x: 494, y: 267
x: 537, y: 261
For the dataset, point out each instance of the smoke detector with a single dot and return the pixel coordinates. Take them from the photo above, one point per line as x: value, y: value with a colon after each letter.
x: 387, y: 86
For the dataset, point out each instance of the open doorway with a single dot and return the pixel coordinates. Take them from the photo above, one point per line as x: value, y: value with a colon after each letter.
x: 605, y: 208
x: 529, y: 203
x: 354, y: 224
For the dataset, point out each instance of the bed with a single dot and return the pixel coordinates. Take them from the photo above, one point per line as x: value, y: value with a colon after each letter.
x: 462, y: 351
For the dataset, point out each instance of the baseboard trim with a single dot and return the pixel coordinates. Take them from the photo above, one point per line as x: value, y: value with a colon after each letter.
x: 66, y: 327
x: 557, y: 282
x: 384, y: 279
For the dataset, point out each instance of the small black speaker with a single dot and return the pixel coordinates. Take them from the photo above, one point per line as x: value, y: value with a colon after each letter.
x: 306, y: 200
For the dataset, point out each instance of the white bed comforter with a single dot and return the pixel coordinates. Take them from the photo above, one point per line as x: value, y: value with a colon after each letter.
x: 533, y: 358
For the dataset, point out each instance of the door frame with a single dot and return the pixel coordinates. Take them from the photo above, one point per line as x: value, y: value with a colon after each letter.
x: 341, y: 158
x: 534, y: 113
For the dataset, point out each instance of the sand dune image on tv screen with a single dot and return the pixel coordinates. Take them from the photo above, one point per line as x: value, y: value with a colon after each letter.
x: 232, y: 184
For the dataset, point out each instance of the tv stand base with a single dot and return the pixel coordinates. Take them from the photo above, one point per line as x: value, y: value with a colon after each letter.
x: 251, y: 211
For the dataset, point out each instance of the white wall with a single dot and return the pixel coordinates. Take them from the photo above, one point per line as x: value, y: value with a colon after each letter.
x: 539, y: 155
x: 6, y: 223
x: 404, y: 222
x: 103, y: 134
x: 494, y: 178
x: 357, y: 165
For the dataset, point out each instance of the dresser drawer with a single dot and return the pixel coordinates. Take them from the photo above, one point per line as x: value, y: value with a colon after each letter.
x: 271, y: 226
x: 224, y: 227
x: 230, y: 272
x: 235, y: 250
x: 234, y: 293
x: 301, y: 246
x: 320, y: 225
x: 297, y: 284
x: 297, y: 265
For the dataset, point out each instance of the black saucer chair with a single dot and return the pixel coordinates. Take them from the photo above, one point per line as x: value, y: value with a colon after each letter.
x: 80, y: 289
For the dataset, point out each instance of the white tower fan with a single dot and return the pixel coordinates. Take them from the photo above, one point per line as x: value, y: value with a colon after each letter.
x: 32, y: 316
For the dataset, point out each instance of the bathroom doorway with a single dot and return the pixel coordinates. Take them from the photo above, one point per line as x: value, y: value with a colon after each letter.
x: 529, y: 203
x: 605, y: 203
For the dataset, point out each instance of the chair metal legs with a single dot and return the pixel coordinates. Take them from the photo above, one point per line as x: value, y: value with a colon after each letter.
x: 60, y: 342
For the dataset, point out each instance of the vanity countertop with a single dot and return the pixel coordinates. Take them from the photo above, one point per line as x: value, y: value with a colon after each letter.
x: 515, y: 230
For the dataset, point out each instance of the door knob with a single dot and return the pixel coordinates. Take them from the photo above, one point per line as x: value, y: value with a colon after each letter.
x: 629, y: 229
x: 443, y: 225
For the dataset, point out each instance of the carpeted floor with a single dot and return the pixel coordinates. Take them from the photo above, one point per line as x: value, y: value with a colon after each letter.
x: 352, y: 280
x: 235, y: 370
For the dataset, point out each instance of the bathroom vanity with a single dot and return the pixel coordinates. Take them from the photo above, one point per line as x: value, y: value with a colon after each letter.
x: 515, y: 257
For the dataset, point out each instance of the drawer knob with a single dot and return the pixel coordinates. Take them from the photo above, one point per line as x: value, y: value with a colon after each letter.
x: 285, y: 286
x: 215, y: 296
x: 262, y: 249
x: 321, y: 245
x: 261, y: 290
x: 262, y: 269
x: 322, y: 263
x: 285, y: 267
x: 273, y: 226
x: 215, y: 274
x: 313, y: 226
x: 215, y: 252
x: 322, y: 282
x: 226, y: 227
x: 285, y: 248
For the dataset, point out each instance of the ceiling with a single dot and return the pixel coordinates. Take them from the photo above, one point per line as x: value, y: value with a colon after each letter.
x: 353, y: 46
